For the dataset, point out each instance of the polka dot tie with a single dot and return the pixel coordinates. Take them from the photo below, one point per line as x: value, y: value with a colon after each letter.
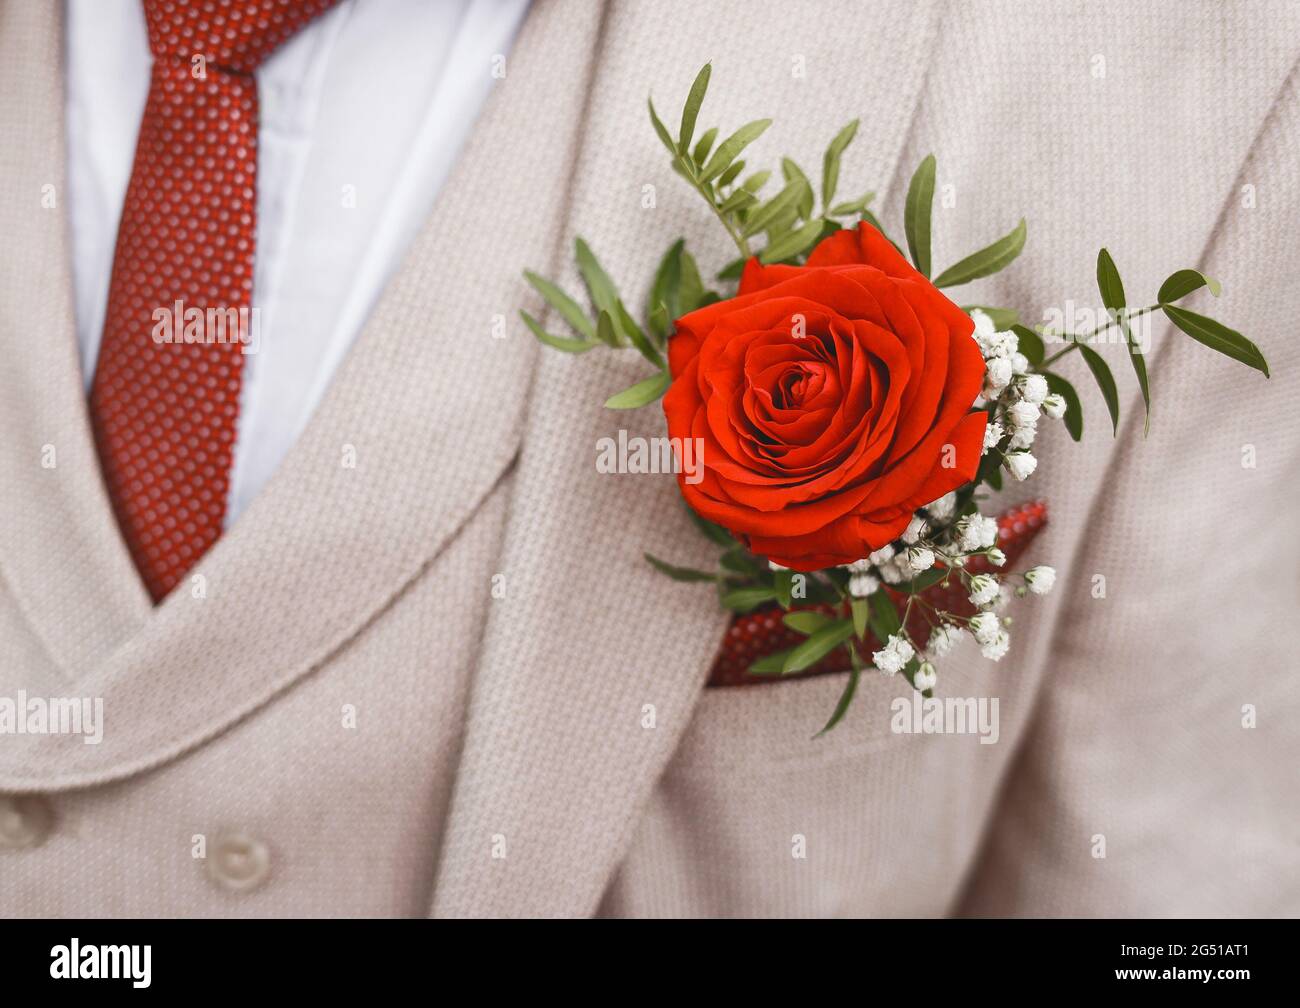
x: 165, y: 398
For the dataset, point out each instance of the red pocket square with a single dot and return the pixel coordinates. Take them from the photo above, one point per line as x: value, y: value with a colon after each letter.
x: 755, y: 635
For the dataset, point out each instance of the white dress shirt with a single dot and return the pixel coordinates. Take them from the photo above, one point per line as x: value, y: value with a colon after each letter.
x: 363, y: 114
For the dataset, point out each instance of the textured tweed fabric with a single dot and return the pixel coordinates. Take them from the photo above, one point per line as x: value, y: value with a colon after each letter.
x: 533, y: 736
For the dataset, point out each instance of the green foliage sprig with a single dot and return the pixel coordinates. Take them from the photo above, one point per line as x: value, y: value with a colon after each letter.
x: 784, y: 228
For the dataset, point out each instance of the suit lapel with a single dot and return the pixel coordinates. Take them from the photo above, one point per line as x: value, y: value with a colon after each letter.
x: 428, y: 404
x: 61, y: 555
x: 592, y: 661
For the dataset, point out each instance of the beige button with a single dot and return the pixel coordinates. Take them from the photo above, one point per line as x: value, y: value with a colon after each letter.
x: 238, y: 862
x: 25, y: 821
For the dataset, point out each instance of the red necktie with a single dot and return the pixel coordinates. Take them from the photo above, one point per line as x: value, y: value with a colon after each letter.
x: 164, y: 413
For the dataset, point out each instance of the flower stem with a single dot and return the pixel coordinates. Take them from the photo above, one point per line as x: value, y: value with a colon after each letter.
x: 1074, y: 341
x: 688, y: 171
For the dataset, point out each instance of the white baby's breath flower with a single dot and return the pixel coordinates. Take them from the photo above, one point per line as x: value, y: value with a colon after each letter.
x: 1033, y: 388
x: 1002, y: 345
x: 920, y: 559
x: 992, y: 435
x: 896, y: 653
x: 862, y: 585
x: 773, y: 565
x: 983, y: 324
x: 1021, y: 465
x: 997, y: 376
x: 996, y: 648
x: 942, y: 509
x: 1022, y: 439
x: 916, y: 528
x: 925, y: 677
x: 1019, y: 363
x: 1054, y: 406
x: 895, y: 571
x: 983, y: 589
x: 976, y: 532
x: 882, y: 555
x: 996, y: 557
x: 986, y: 627
x: 1040, y: 579
x: 859, y: 566
x: 1023, y: 414
x: 945, y: 637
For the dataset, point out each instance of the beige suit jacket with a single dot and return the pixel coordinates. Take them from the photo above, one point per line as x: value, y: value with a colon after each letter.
x: 348, y: 720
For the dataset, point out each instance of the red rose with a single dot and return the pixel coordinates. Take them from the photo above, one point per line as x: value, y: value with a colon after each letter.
x: 832, y: 400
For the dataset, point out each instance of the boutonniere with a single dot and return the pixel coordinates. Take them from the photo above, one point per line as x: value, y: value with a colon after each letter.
x: 838, y: 419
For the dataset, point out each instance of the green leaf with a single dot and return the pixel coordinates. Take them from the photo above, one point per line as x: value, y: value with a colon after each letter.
x: 1182, y: 283
x: 852, y: 207
x: 638, y: 338
x: 691, y: 293
x: 1217, y: 336
x: 1112, y: 296
x: 740, y: 560
x: 745, y: 599
x: 569, y: 309
x: 604, y: 295
x: 705, y: 145
x: 1109, y: 283
x: 773, y: 664
x: 714, y: 533
x: 730, y: 148
x: 818, y: 646
x: 844, y: 702
x: 986, y: 261
x: 861, y: 610
x: 791, y: 171
x: 831, y: 161
x: 756, y: 181
x: 660, y: 324
x: 558, y: 342
x: 729, y: 176
x: 806, y: 621
x: 664, y: 136
x: 678, y: 573
x: 691, y: 110
x: 916, y: 214
x: 1140, y: 369
x: 783, y: 581
x: 1073, y: 418
x: 1105, y: 381
x: 733, y: 269
x: 930, y: 577
x: 668, y: 278
x: 794, y: 243
x: 738, y: 200
x: 640, y: 394
x: 787, y: 199
x: 884, y: 616
x: 605, y: 331
x: 1029, y: 343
